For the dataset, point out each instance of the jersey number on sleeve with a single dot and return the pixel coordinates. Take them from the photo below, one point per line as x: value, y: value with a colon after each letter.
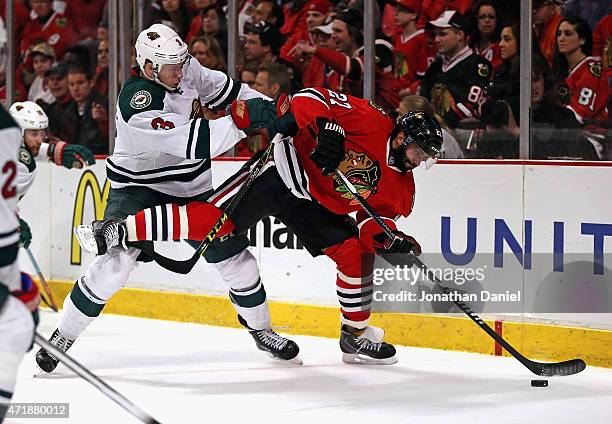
x: 158, y: 123
x: 339, y: 99
x: 8, y: 188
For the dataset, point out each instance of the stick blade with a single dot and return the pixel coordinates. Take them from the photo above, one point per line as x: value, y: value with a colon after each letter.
x: 571, y: 367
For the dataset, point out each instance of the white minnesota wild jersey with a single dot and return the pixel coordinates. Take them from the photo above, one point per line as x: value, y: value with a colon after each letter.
x: 163, y: 142
x: 10, y: 141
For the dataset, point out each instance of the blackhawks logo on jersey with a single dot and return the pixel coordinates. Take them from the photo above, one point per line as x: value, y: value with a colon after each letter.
x: 362, y: 171
x: 441, y: 99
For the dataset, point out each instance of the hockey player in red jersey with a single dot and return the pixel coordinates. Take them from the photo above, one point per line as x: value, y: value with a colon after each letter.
x: 333, y: 131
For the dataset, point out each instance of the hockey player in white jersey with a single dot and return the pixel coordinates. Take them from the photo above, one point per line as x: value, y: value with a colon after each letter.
x: 37, y: 146
x: 163, y: 152
x: 18, y: 301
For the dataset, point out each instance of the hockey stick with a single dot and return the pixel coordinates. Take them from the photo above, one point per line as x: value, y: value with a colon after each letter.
x: 184, y: 267
x: 94, y: 380
x: 563, y: 368
x: 43, y: 283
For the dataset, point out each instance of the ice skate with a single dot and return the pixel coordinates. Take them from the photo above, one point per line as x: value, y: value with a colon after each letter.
x: 277, y: 346
x: 366, y: 347
x: 99, y: 237
x: 44, y: 359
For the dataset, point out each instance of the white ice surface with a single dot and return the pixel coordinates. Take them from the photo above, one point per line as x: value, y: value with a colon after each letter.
x: 188, y: 373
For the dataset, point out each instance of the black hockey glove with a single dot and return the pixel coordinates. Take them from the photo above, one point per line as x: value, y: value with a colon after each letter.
x: 401, y: 243
x: 330, y: 146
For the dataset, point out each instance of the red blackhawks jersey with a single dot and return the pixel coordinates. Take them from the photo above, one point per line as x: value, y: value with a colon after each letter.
x: 413, y: 55
x: 585, y: 92
x: 57, y: 31
x: 389, y: 191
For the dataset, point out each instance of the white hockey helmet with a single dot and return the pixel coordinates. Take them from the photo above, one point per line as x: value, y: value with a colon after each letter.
x: 160, y: 45
x: 29, y: 116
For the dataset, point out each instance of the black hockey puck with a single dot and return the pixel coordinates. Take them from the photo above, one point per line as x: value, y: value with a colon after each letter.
x: 539, y: 383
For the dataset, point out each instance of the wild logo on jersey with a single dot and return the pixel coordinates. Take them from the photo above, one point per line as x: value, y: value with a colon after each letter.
x: 196, y: 109
x: 362, y: 171
x: 442, y: 99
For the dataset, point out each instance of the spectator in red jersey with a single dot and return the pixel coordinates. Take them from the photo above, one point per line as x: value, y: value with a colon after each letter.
x: 100, y: 78
x: 546, y: 19
x: 21, y: 17
x: 207, y: 51
x: 413, y: 50
x: 346, y: 62
x: 602, y: 46
x: 581, y: 86
x: 314, y: 69
x: 484, y: 38
x: 295, y: 17
x: 47, y: 25
x: 85, y: 15
x: 316, y: 12
x: 43, y: 57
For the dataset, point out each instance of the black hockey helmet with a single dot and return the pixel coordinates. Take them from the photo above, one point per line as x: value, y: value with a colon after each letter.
x: 420, y: 128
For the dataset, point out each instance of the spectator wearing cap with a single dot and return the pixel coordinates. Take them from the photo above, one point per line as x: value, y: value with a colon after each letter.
x: 85, y: 15
x: 43, y: 57
x: 314, y: 69
x: 316, y: 12
x: 486, y: 29
x: 45, y: 24
x: 413, y: 50
x: 56, y: 79
x: 85, y: 120
x: 455, y: 82
x: 100, y: 78
x: 345, y: 63
x: 546, y: 19
x: 268, y: 11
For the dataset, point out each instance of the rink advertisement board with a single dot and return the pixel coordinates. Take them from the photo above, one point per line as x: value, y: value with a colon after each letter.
x: 533, y: 225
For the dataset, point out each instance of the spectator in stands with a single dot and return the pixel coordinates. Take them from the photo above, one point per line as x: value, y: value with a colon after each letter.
x: 295, y: 17
x: 316, y: 13
x: 505, y: 87
x: 546, y: 19
x: 484, y: 38
x: 100, y: 78
x: 314, y: 70
x: 272, y: 79
x: 21, y: 18
x: 602, y: 48
x: 581, y: 86
x: 450, y: 147
x: 47, y: 25
x: 248, y: 74
x: 262, y: 44
x: 346, y: 61
x: 85, y: 15
x: 207, y: 51
x: 198, y: 7
x: 268, y: 11
x: 455, y: 82
x: 43, y: 57
x: 85, y: 120
x: 173, y: 13
x: 213, y: 26
x: 57, y: 81
x: 413, y: 51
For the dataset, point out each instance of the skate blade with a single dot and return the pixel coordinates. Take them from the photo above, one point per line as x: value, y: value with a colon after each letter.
x: 295, y: 361
x: 356, y: 358
x: 85, y: 237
